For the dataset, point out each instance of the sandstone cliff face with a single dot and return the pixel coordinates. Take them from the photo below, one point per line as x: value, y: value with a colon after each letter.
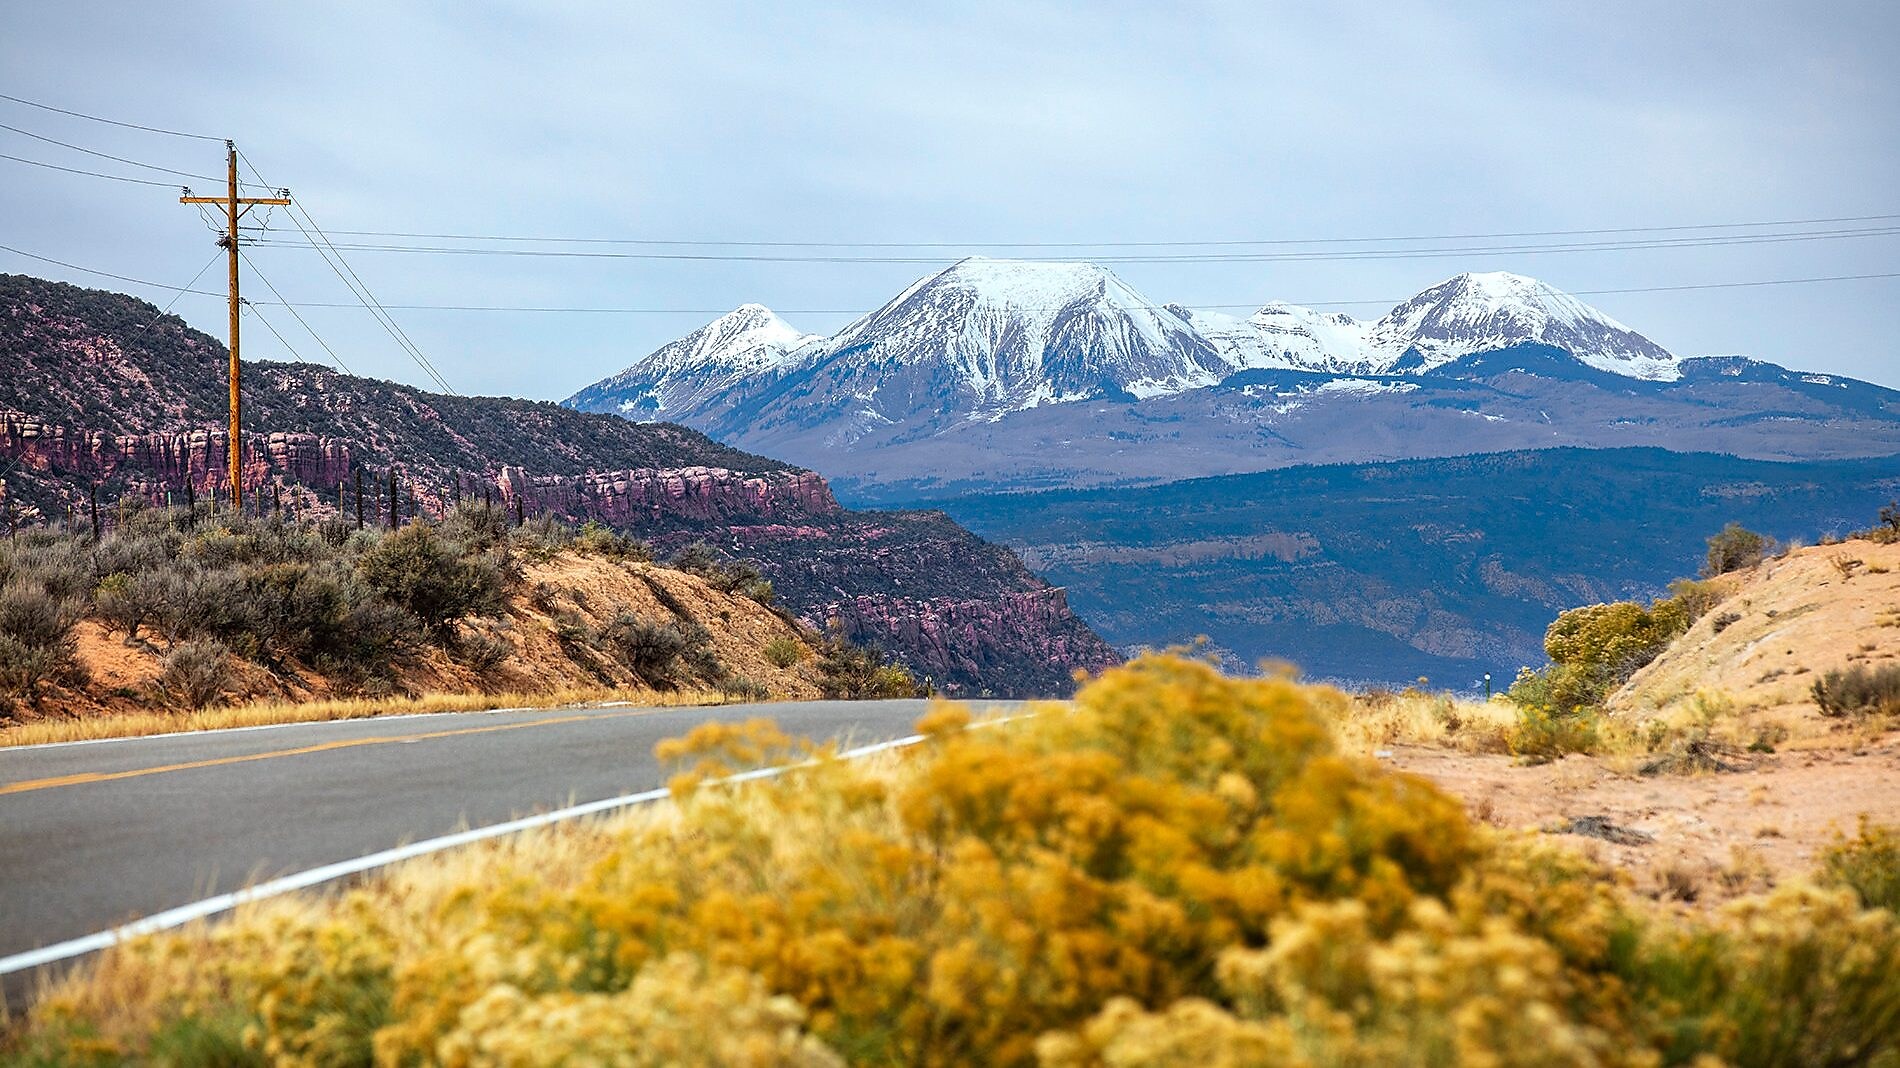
x: 93, y: 394
x: 955, y: 640
x: 708, y: 494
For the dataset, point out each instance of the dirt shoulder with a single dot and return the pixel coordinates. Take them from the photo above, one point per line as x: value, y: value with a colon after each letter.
x: 1710, y: 836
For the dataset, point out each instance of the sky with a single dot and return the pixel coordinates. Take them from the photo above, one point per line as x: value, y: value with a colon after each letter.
x: 959, y: 125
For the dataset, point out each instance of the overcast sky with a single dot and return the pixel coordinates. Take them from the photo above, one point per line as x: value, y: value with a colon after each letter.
x: 966, y: 123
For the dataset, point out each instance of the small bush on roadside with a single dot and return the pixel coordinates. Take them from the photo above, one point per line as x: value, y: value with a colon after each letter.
x: 1595, y: 649
x: 419, y: 571
x: 541, y: 537
x: 1735, y: 548
x: 36, y: 640
x: 1868, y: 864
x: 740, y: 688
x: 660, y: 654
x: 125, y: 602
x: 783, y: 651
x: 1859, y: 690
x: 196, y: 674
x: 485, y: 652
x: 853, y: 673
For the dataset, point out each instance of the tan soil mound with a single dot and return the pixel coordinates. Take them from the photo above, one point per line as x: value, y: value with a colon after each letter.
x: 1789, y: 620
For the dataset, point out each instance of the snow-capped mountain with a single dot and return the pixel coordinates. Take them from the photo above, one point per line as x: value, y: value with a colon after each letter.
x: 1012, y: 373
x: 986, y: 337
x: 695, y: 372
x: 1473, y: 313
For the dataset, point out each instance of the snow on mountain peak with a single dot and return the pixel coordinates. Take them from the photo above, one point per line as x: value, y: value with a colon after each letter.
x: 683, y: 375
x: 1010, y: 334
x: 1478, y: 312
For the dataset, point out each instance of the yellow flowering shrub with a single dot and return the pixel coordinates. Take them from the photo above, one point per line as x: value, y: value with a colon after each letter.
x: 1178, y: 868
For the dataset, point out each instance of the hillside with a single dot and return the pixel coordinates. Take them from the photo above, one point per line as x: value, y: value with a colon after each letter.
x: 1014, y: 374
x: 1385, y: 572
x: 99, y: 388
x: 537, y: 621
x: 1789, y: 621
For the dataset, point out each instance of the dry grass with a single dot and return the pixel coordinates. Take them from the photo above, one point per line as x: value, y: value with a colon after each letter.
x: 264, y: 713
x: 1366, y: 722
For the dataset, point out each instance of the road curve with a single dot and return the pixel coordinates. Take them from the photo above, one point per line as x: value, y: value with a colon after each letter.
x: 93, y: 835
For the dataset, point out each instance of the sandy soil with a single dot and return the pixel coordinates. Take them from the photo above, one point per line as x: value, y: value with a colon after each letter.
x: 1711, y: 836
x: 1791, y: 619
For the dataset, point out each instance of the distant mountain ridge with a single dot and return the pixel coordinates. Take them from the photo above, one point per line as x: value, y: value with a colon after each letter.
x: 99, y: 390
x: 1025, y: 374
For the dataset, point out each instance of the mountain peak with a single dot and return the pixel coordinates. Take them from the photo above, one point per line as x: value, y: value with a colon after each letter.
x: 1484, y: 311
x: 696, y: 369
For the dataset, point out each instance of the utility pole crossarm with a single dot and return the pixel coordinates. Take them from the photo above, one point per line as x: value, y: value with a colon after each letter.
x: 227, y: 200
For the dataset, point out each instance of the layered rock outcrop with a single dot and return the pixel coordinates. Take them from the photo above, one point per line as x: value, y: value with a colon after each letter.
x: 958, y: 640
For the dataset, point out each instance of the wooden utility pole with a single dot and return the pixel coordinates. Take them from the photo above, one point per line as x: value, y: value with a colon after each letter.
x: 234, y: 208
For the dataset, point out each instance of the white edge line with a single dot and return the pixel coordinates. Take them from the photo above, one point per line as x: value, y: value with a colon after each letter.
x: 208, y: 731
x: 211, y: 906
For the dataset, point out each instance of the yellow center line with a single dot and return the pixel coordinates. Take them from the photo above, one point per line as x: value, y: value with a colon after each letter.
x: 26, y: 785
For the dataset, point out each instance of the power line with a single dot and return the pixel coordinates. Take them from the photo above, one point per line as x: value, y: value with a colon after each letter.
x: 166, y: 310
x: 292, y: 308
x: 1273, y: 257
x: 248, y: 306
x: 108, y: 274
x: 356, y: 285
x: 855, y: 311
x: 703, y: 243
x: 91, y: 174
x: 109, y: 122
x: 108, y: 155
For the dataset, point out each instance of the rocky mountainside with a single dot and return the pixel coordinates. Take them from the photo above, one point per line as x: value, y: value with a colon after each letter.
x: 1028, y: 375
x: 1380, y: 573
x: 98, y: 389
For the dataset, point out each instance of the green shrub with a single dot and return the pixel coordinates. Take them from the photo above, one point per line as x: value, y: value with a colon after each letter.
x: 740, y: 688
x: 475, y: 526
x: 420, y: 572
x: 783, y: 651
x: 36, y: 640
x: 1734, y: 548
x: 485, y: 652
x: 662, y: 654
x: 853, y: 673
x: 1595, y: 649
x: 1868, y: 864
x: 604, y: 541
x: 741, y: 577
x: 196, y: 673
x: 1859, y: 689
x: 126, y: 602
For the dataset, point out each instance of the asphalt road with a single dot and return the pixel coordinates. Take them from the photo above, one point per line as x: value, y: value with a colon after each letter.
x: 98, y: 834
